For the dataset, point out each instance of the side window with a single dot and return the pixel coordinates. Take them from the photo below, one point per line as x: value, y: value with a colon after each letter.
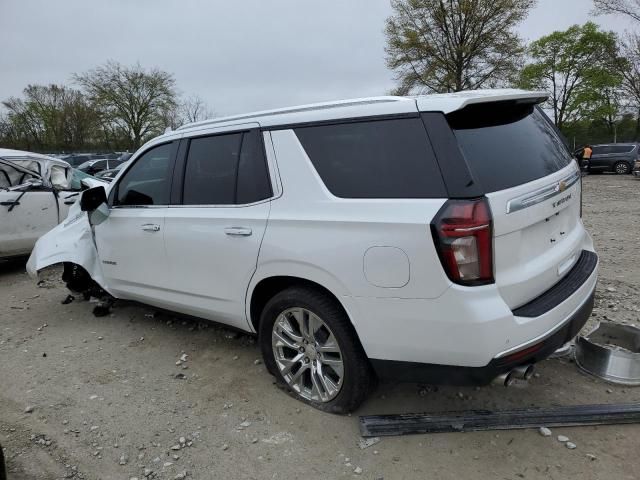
x: 210, y: 174
x: 374, y: 159
x: 622, y: 148
x: 605, y: 150
x: 253, y: 174
x: 100, y: 165
x: 148, y: 181
x: 226, y: 169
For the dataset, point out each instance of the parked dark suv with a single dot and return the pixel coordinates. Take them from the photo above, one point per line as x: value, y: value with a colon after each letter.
x: 618, y: 157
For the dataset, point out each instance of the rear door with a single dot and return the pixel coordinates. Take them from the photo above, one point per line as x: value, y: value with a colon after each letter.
x: 521, y: 163
x: 214, y: 231
x: 599, y: 157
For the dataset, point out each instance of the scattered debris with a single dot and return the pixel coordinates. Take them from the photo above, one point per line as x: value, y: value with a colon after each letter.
x: 101, y: 310
x: 123, y: 459
x: 563, y: 439
x: 368, y: 442
x: 68, y: 300
x: 357, y: 471
x: 544, y: 431
x: 570, y: 445
x: 29, y: 409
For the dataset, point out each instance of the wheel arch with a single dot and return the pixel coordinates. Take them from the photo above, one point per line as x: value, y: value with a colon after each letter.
x: 265, y: 288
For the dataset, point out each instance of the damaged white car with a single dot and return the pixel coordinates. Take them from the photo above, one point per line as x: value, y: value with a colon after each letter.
x: 435, y: 239
x: 36, y: 192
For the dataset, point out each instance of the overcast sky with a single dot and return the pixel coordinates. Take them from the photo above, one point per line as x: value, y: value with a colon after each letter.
x: 237, y: 55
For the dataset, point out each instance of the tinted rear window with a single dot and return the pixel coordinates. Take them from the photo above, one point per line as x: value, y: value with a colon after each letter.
x: 621, y: 148
x: 376, y: 159
x: 508, y: 145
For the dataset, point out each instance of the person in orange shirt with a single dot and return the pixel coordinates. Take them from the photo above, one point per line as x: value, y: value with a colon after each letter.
x: 586, y: 152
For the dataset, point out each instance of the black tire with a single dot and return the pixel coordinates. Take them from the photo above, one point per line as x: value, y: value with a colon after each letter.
x: 622, y: 168
x: 358, y: 379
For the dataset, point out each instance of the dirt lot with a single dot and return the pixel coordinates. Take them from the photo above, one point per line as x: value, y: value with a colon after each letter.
x: 109, y: 400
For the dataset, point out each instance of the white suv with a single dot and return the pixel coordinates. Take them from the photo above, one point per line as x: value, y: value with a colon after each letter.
x: 434, y: 239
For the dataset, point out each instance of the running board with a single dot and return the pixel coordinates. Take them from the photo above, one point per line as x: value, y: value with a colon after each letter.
x: 480, y: 420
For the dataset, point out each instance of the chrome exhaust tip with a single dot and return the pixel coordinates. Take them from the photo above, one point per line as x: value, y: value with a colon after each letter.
x: 505, y: 379
x: 524, y: 372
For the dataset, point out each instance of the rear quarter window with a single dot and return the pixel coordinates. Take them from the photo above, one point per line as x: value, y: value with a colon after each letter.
x: 374, y: 159
x: 622, y: 148
x: 506, y: 145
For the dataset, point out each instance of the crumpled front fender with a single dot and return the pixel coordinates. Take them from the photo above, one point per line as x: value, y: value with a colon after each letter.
x: 71, y: 241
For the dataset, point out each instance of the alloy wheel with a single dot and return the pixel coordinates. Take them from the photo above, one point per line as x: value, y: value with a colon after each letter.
x: 622, y: 168
x: 307, y: 354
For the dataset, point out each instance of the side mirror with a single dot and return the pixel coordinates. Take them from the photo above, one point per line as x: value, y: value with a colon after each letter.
x: 91, y: 199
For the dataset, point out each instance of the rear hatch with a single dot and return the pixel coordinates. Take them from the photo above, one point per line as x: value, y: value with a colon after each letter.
x: 533, y: 187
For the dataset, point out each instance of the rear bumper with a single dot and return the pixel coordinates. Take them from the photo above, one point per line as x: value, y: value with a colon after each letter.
x: 472, y: 336
x: 398, y: 371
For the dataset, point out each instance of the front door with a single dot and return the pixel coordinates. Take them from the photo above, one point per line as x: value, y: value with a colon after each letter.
x: 214, y: 235
x: 130, y: 241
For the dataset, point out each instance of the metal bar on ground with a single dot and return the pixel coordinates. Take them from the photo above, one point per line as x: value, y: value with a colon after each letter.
x: 480, y: 420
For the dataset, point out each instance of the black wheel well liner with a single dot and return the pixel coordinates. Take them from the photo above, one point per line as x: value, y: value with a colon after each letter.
x: 270, y: 286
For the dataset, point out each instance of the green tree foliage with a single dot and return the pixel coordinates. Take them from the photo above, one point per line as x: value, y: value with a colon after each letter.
x: 577, y: 66
x: 51, y: 117
x: 453, y: 45
x: 131, y: 100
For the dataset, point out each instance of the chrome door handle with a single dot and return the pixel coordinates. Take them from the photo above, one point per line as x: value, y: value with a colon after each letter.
x: 238, y: 231
x: 150, y: 227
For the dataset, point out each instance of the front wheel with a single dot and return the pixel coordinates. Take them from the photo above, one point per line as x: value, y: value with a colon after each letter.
x: 311, y: 347
x: 622, y: 168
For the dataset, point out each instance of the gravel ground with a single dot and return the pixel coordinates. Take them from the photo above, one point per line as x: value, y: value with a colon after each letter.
x: 104, y: 398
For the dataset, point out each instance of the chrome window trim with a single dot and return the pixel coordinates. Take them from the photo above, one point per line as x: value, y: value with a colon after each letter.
x: 540, y: 195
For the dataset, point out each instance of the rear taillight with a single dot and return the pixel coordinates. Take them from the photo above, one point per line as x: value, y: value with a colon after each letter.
x: 462, y: 231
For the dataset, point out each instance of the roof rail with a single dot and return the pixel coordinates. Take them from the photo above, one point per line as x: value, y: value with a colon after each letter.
x: 298, y: 109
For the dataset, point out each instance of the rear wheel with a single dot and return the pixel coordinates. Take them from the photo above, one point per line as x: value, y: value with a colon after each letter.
x: 310, y: 346
x: 622, y: 168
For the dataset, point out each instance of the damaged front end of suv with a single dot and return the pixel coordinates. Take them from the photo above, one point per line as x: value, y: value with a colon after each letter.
x: 71, y: 244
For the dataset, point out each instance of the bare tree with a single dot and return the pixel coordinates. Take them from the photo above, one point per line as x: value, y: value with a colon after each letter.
x: 630, y: 8
x: 452, y: 45
x: 134, y: 100
x: 194, y: 109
